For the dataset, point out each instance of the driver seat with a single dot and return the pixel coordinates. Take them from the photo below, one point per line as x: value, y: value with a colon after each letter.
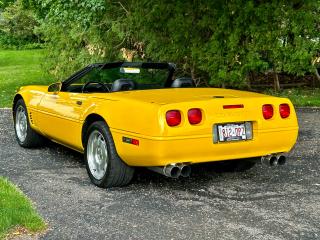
x: 123, y: 84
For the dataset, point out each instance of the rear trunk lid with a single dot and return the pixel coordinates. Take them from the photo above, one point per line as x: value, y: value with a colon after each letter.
x: 219, y: 106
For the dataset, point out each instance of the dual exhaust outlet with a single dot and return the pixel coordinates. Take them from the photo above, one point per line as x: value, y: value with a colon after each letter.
x: 273, y: 160
x: 183, y: 170
x: 173, y: 170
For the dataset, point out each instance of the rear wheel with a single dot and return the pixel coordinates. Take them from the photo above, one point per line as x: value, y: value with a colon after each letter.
x: 25, y: 135
x: 105, y: 168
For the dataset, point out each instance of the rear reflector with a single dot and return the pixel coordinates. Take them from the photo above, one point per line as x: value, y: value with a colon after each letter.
x: 267, y: 111
x: 173, y: 118
x: 233, y: 106
x: 194, y: 116
x: 284, y: 110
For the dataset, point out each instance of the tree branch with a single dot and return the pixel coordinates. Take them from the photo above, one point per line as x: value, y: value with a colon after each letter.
x: 127, y: 12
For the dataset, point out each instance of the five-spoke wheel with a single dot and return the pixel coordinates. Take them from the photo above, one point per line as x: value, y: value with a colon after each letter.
x: 105, y: 167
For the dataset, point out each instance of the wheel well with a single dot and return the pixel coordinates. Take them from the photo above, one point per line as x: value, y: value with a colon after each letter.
x: 15, y: 100
x: 89, y: 120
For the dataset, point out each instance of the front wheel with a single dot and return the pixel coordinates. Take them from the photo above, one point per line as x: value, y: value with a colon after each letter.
x: 25, y: 135
x: 105, y: 168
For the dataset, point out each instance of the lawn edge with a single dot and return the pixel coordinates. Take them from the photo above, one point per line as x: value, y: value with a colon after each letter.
x: 18, y: 232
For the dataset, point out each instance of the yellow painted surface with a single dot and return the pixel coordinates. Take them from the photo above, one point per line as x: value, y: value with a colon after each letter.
x: 141, y: 115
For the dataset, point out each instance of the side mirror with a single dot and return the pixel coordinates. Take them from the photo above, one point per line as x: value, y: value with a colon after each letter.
x: 55, y: 87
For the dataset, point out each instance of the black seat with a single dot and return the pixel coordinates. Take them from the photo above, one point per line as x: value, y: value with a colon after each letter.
x: 183, y: 83
x: 123, y: 84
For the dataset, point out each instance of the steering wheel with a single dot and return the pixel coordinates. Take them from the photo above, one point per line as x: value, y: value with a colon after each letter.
x: 94, y: 82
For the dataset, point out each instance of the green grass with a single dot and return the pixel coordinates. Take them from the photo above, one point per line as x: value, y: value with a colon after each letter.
x: 16, y: 210
x: 300, y: 97
x: 24, y: 67
x: 20, y: 68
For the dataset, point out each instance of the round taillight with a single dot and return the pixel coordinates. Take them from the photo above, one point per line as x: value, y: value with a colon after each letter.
x: 284, y: 110
x: 267, y: 111
x: 173, y: 118
x: 194, y: 115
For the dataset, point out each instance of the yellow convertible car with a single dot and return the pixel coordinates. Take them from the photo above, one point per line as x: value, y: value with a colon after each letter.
x: 123, y: 115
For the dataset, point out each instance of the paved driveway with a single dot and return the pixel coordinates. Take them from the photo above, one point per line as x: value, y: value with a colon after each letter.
x: 263, y: 203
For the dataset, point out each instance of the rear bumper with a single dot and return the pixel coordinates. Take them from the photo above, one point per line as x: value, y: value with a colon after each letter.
x: 160, y: 151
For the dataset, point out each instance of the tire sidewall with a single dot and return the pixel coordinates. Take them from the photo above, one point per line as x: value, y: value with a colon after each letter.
x: 103, y: 129
x: 19, y: 103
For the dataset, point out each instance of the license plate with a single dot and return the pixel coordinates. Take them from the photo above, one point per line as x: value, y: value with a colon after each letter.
x: 231, y: 132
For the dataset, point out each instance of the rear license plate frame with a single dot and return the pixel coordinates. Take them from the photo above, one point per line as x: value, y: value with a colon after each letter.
x: 245, y: 126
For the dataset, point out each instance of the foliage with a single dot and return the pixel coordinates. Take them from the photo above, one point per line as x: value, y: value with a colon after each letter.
x: 221, y: 41
x: 17, y: 26
x: 16, y: 210
x: 5, y: 3
x: 20, y: 68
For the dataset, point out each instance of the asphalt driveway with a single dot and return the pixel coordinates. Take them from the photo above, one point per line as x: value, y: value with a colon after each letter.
x: 263, y: 203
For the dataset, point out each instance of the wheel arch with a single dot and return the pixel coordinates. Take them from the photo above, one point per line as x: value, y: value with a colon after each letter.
x: 17, y: 97
x: 91, y: 118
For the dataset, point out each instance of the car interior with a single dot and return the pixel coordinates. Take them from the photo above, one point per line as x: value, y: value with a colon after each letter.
x: 127, y: 78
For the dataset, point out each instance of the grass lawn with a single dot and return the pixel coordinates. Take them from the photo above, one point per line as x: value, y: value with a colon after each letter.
x: 300, y: 97
x: 16, y: 211
x: 23, y: 67
x: 18, y: 68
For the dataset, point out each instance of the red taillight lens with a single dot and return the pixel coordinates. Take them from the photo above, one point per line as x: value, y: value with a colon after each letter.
x: 194, y: 115
x: 173, y: 118
x: 284, y: 110
x: 267, y: 111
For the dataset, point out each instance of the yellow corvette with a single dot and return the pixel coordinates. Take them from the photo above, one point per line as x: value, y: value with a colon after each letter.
x: 122, y: 115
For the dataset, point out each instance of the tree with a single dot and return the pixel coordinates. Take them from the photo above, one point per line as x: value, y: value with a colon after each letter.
x: 219, y: 41
x: 17, y: 25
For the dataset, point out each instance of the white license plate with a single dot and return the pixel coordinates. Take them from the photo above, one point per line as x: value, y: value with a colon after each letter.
x: 231, y: 132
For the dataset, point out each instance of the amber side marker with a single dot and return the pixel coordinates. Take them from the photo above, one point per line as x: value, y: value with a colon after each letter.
x: 130, y: 141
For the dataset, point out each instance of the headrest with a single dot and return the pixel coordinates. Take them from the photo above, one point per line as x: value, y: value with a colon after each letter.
x: 182, y: 83
x: 123, y: 84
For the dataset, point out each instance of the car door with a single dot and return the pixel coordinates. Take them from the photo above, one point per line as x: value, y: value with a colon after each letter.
x: 59, y: 117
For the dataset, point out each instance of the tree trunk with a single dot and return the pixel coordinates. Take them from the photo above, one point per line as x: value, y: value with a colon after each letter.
x: 317, y: 71
x: 193, y: 76
x: 276, y: 83
x: 316, y: 65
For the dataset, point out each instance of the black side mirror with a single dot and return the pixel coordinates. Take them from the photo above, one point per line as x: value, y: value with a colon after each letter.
x: 55, y: 87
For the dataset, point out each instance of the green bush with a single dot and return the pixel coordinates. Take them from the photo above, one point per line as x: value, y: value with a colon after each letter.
x: 17, y: 27
x: 10, y: 42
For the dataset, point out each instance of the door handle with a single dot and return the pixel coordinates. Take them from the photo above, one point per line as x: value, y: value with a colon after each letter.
x: 79, y: 103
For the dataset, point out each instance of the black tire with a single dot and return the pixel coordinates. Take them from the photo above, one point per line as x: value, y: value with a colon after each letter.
x: 117, y: 172
x: 241, y: 165
x: 32, y: 139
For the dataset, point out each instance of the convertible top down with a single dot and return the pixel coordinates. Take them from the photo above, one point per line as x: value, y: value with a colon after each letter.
x: 122, y: 115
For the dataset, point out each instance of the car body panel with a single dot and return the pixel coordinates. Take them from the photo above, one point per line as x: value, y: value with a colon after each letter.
x: 141, y: 114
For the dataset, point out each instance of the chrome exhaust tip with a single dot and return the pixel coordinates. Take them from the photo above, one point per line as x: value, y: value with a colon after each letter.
x: 185, y: 170
x: 269, y: 160
x: 273, y: 160
x: 281, y: 159
x: 171, y: 170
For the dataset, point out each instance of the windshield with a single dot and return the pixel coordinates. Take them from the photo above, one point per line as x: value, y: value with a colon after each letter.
x: 102, y: 78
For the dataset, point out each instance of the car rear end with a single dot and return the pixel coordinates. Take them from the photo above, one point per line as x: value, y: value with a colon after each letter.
x: 206, y: 125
